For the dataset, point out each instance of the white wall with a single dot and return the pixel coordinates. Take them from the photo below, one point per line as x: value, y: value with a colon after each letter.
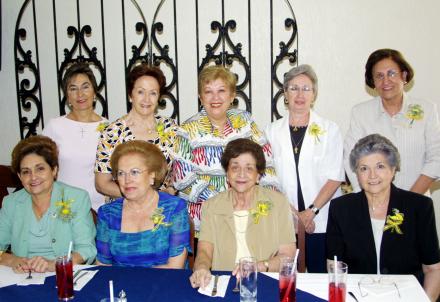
x: 335, y: 37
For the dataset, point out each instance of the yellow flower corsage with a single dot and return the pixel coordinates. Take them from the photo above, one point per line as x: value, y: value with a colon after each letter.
x: 263, y: 208
x: 315, y: 131
x: 65, y: 212
x: 158, y: 219
x: 394, y: 221
x: 414, y: 113
x: 237, y: 122
x: 163, y: 136
x: 101, y: 126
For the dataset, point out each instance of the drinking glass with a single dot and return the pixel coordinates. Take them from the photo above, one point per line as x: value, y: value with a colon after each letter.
x: 64, y: 272
x: 337, y: 280
x: 287, y: 280
x: 248, y: 281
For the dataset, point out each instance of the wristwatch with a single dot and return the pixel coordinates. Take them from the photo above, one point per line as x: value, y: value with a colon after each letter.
x: 314, y: 209
x: 266, y: 264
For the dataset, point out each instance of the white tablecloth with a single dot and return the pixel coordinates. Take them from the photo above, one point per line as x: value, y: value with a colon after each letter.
x: 409, y: 287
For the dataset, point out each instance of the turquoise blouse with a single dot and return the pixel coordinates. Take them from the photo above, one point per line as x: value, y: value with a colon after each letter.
x: 15, y: 223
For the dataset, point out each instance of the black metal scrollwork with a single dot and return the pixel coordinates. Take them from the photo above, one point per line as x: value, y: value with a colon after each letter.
x: 155, y: 54
x: 28, y: 97
x: 284, y: 54
x: 227, y: 59
x: 91, y: 59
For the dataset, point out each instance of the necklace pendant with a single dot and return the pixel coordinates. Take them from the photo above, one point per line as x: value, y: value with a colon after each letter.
x: 295, y: 128
x: 296, y: 150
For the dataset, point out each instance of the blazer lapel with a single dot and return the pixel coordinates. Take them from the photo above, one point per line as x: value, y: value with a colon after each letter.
x: 369, y: 237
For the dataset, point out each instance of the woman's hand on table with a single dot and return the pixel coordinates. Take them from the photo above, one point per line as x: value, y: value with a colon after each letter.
x: 20, y: 265
x: 200, y: 278
x: 41, y: 265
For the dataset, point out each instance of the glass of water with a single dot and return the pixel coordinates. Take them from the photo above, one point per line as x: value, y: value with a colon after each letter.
x: 248, y: 279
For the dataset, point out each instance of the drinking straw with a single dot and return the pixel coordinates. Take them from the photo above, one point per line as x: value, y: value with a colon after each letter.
x: 335, y: 269
x: 69, y: 253
x: 289, y: 287
x: 110, y: 284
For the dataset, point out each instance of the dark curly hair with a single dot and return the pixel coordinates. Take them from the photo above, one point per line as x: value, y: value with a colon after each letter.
x: 40, y: 145
x: 145, y: 70
x: 241, y: 146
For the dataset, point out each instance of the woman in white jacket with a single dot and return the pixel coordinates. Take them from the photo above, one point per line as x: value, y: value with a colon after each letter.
x: 308, y: 155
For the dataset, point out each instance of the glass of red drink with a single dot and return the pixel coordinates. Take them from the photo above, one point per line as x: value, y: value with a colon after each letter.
x: 287, y: 280
x: 64, y: 271
x: 337, y: 280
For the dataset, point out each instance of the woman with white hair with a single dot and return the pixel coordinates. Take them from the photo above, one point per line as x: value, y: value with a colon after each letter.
x: 310, y: 167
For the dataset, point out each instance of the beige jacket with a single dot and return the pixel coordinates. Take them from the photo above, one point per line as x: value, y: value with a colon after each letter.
x: 263, y: 239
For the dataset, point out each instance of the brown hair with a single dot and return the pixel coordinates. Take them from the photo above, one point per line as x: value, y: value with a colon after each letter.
x: 76, y: 69
x: 386, y: 53
x: 145, y: 70
x: 212, y: 73
x: 241, y: 146
x: 40, y: 145
x: 152, y: 156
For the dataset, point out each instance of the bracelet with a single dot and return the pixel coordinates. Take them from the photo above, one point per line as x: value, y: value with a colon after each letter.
x: 314, y: 209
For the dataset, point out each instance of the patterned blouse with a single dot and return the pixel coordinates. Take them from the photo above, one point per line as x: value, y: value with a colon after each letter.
x: 197, y: 171
x: 147, y: 248
x: 119, y: 132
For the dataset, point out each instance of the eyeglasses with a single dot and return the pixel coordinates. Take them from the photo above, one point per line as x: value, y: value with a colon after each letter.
x: 294, y: 89
x: 380, y: 284
x: 75, y: 89
x: 134, y: 173
x: 391, y: 74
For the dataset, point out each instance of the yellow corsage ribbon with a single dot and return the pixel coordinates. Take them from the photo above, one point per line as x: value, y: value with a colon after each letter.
x: 158, y: 219
x: 393, y: 222
x: 315, y: 131
x: 65, y: 212
x: 263, y: 208
x: 101, y: 126
x: 414, y: 113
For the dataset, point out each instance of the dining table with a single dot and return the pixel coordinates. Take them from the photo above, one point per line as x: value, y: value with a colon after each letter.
x: 149, y: 284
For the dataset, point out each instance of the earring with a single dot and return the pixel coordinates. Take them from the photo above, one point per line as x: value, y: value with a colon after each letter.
x: 286, y: 102
x: 152, y: 182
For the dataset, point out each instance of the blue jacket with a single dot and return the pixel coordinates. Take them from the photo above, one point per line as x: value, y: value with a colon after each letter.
x: 15, y: 223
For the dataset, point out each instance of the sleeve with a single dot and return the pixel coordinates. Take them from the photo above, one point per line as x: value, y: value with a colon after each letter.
x: 6, y: 218
x: 269, y: 178
x: 334, y: 167
x: 427, y: 233
x: 183, y: 175
x: 207, y: 226
x: 83, y: 228
x: 334, y: 238
x: 354, y: 133
x: 106, y: 144
x: 286, y: 232
x: 49, y: 130
x: 103, y: 239
x: 431, y: 166
x: 179, y: 238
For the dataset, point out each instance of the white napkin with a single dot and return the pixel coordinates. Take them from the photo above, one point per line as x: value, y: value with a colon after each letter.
x: 37, y: 279
x: 222, y: 285
x: 83, y: 279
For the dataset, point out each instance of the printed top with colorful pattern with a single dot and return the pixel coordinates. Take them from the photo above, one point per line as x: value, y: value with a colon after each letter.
x: 119, y: 132
x: 197, y: 170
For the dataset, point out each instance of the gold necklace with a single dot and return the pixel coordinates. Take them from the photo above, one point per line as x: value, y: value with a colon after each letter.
x: 295, y: 149
x: 378, y: 205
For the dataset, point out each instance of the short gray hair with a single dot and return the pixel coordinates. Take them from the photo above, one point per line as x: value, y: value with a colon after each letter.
x: 304, y: 69
x: 375, y: 143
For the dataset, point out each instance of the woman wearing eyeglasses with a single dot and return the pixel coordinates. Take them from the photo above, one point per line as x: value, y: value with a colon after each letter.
x: 411, y: 124
x: 82, y: 126
x: 307, y: 151
x: 384, y: 229
x: 145, y: 227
